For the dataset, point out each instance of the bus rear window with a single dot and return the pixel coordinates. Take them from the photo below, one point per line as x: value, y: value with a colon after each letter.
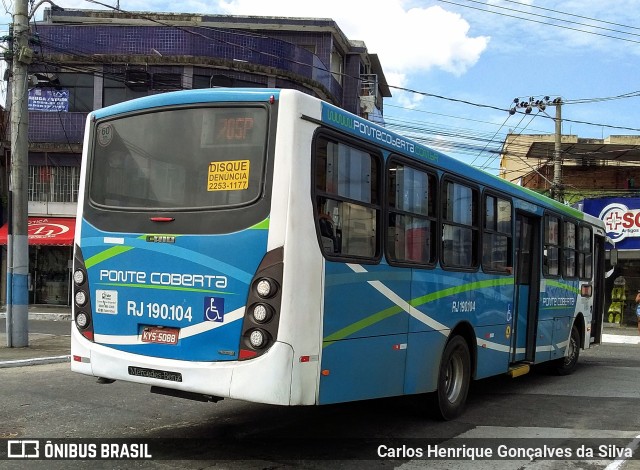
x: 180, y: 159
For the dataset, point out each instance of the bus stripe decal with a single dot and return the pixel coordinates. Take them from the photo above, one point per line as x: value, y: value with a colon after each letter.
x: 106, y: 254
x: 192, y: 330
x: 203, y: 327
x: 173, y: 251
x: 402, y: 305
x: 195, y: 257
x: 418, y: 315
x: 360, y: 325
x: 551, y: 282
x: 264, y: 225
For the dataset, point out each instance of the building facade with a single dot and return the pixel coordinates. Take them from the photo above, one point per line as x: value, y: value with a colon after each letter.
x: 600, y: 177
x: 590, y: 167
x: 84, y: 60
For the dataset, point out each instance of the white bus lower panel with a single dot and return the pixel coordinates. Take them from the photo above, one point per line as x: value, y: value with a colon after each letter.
x: 265, y: 379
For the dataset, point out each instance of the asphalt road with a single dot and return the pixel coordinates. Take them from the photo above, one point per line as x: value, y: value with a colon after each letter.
x: 599, y: 401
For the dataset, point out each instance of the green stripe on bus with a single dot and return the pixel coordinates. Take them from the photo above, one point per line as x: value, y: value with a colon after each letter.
x: 553, y: 283
x: 264, y: 225
x: 504, y: 281
x: 389, y: 312
x: 106, y: 254
x: 362, y: 324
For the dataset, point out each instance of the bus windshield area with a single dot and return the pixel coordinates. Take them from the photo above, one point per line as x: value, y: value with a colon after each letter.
x: 198, y: 158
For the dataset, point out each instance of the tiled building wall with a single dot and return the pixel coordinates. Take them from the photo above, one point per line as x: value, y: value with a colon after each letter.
x: 258, y: 80
x: 322, y: 42
x: 56, y: 127
x: 351, y: 100
x: 198, y: 42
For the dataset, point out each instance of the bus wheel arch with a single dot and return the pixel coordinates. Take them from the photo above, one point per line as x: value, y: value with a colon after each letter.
x: 465, y: 330
x: 567, y: 365
x: 580, y: 325
x: 457, y: 367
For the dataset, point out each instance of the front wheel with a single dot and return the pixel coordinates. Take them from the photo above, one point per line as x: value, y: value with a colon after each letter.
x: 568, y: 364
x: 453, y: 379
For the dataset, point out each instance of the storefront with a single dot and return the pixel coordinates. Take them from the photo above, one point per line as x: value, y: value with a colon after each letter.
x: 50, y: 259
x: 621, y: 216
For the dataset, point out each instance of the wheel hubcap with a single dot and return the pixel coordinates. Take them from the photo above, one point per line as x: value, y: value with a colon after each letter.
x: 453, y: 378
x: 573, y: 348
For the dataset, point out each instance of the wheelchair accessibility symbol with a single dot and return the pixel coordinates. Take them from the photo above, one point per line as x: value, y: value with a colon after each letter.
x: 214, y: 309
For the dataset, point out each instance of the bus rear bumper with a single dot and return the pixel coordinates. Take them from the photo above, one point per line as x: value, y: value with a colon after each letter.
x: 265, y: 379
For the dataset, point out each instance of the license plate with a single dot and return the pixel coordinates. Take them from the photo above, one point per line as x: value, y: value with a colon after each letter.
x: 155, y: 334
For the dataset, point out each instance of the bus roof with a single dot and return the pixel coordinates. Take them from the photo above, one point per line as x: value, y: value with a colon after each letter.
x: 201, y: 95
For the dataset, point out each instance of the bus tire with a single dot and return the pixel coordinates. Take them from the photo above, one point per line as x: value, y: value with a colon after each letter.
x: 568, y: 364
x: 453, y: 379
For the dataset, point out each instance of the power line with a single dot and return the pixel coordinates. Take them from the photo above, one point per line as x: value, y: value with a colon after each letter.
x: 404, y: 108
x: 491, y: 140
x: 632, y: 94
x: 552, y: 18
x: 572, y: 14
x: 541, y: 22
x: 488, y: 106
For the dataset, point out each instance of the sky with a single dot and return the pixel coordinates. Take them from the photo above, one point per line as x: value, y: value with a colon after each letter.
x: 456, y: 66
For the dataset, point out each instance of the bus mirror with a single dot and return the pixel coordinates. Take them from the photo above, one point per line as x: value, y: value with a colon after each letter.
x: 613, y: 257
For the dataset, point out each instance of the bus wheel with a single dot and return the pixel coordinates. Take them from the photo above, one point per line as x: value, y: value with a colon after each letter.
x: 453, y: 379
x: 567, y: 364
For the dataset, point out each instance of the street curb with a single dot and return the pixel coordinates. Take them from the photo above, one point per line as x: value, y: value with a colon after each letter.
x: 35, y: 362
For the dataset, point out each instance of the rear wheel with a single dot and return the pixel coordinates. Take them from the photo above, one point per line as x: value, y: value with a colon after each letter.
x: 453, y: 379
x: 568, y: 364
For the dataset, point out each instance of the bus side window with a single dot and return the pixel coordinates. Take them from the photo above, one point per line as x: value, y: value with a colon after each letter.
x: 460, y: 227
x: 497, y: 239
x: 412, y: 214
x: 347, y: 207
x: 551, y: 258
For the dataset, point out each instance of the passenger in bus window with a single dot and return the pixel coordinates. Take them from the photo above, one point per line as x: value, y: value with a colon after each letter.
x: 327, y: 228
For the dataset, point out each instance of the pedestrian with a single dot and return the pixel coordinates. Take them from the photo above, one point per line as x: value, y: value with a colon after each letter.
x: 638, y: 309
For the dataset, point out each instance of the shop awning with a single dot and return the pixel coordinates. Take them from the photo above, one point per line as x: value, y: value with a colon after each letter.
x: 46, y: 231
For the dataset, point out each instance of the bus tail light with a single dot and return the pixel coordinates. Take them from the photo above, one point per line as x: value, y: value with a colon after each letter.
x: 258, y: 338
x: 262, y: 315
x: 266, y: 287
x: 81, y: 296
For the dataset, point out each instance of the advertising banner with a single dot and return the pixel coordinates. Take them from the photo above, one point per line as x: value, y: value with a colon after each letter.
x: 47, y: 99
x: 621, y: 217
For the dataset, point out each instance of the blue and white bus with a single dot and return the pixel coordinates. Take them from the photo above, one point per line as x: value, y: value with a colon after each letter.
x: 263, y: 245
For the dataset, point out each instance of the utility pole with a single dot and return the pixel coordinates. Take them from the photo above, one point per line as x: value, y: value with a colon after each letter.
x: 556, y: 186
x: 17, y: 242
x: 556, y: 190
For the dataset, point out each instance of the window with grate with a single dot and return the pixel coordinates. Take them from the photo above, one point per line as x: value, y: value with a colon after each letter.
x: 53, y: 183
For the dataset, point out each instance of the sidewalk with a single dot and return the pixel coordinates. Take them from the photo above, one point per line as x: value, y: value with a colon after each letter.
x: 44, y: 348
x: 47, y: 348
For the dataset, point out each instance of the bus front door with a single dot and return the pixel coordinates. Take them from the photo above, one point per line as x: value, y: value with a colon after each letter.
x: 527, y: 288
x: 598, y: 290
